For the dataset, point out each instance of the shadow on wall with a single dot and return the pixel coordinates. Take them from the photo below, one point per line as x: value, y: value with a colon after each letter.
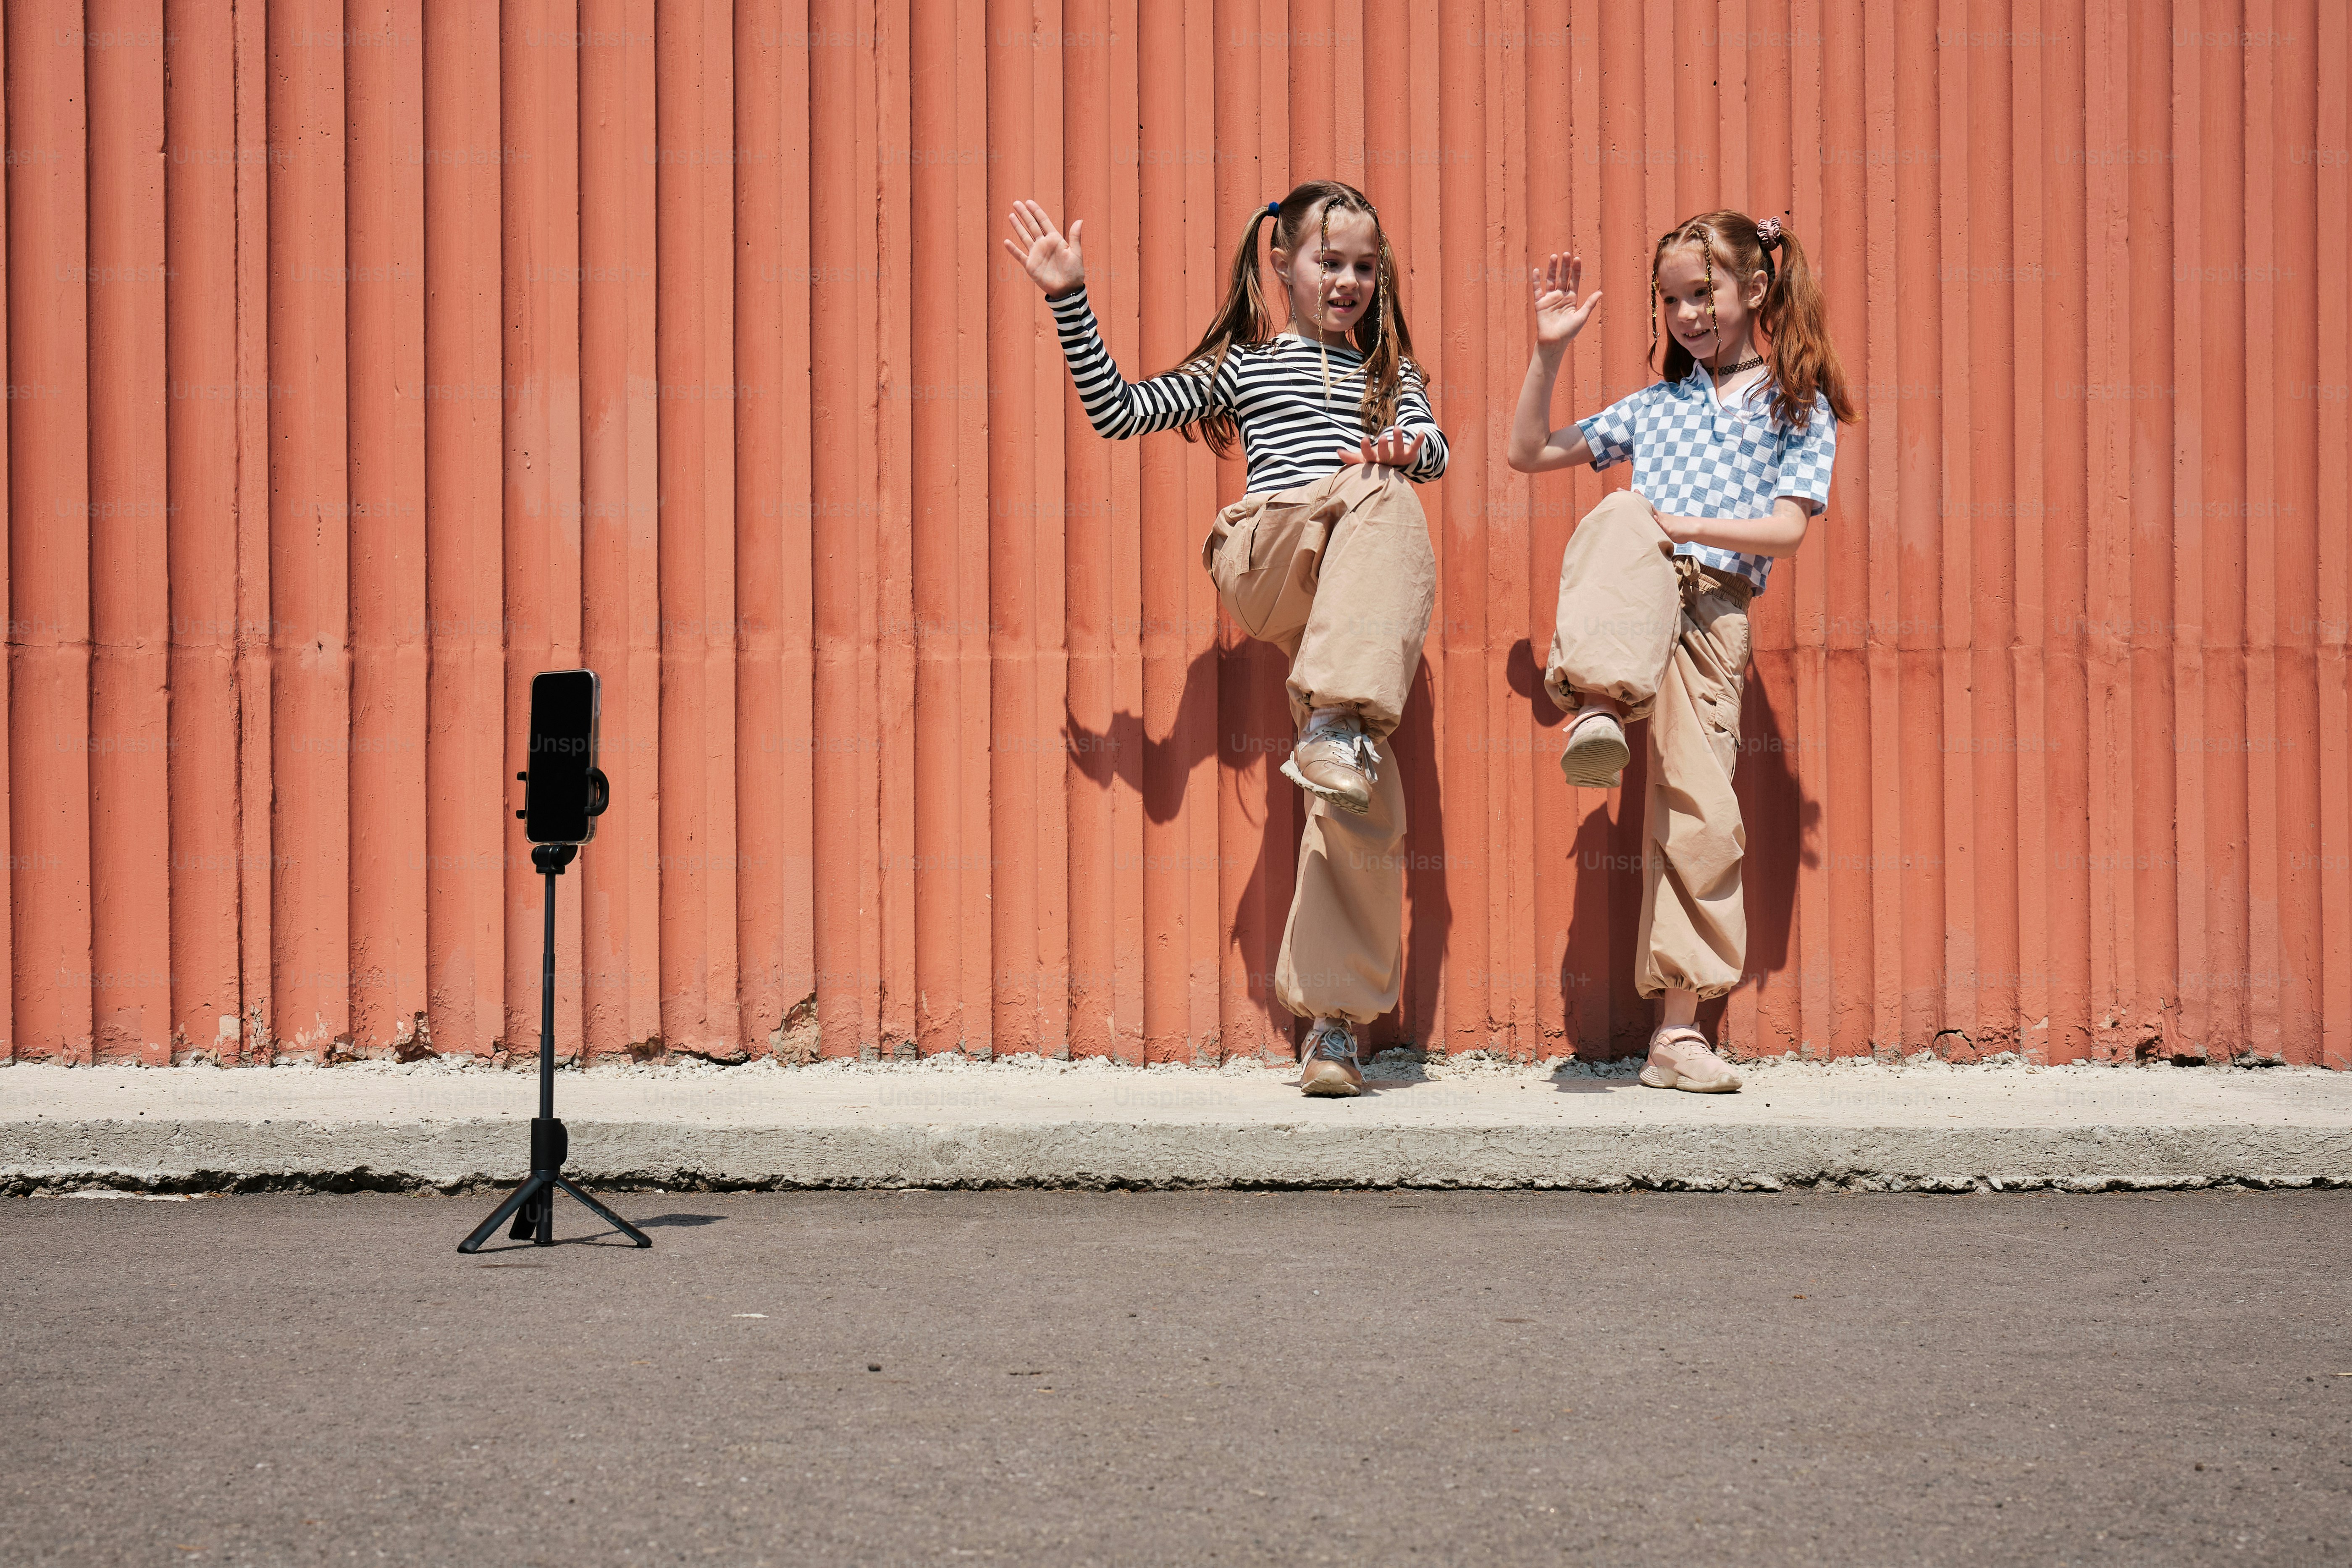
x: 1429, y: 906
x: 1780, y: 825
x: 1605, y: 1021
x: 1156, y: 771
x: 1241, y: 689
x: 1612, y: 1020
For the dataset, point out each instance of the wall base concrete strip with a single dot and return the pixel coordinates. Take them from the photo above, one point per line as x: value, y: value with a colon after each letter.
x: 1092, y: 1126
x: 302, y: 1155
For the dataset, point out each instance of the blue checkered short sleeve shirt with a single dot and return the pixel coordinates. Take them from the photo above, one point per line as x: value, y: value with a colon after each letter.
x: 1695, y: 457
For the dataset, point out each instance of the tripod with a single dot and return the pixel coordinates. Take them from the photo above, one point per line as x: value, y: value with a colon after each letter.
x: 533, y: 1203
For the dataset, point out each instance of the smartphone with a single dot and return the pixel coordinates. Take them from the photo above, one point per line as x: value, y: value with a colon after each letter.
x: 564, y: 792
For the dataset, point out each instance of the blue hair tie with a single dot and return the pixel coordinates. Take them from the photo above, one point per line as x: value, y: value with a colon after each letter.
x: 1274, y: 209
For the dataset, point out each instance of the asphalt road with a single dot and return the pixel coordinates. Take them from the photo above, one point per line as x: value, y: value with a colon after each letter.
x: 1228, y: 1378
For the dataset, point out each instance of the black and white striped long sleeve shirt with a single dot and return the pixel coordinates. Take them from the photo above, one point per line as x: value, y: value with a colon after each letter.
x: 1292, y: 423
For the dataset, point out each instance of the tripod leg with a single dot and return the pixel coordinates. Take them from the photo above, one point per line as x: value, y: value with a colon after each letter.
x: 534, y: 1222
x: 601, y: 1212
x: 515, y: 1199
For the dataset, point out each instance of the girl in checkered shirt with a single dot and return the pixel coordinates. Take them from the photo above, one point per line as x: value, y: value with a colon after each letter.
x: 1327, y: 556
x: 1731, y: 451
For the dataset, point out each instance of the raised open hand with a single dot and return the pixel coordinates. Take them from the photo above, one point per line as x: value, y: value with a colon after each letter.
x: 1050, y: 256
x: 1559, y: 316
x: 1391, y: 449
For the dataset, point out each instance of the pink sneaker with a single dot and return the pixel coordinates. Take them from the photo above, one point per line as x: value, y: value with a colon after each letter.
x: 1679, y: 1058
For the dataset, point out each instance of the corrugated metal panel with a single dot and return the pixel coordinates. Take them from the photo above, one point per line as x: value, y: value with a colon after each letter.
x: 363, y: 359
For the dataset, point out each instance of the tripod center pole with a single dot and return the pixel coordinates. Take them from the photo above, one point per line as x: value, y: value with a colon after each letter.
x: 550, y: 859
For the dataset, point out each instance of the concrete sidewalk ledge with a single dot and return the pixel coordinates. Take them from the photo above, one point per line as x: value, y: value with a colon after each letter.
x: 1029, y: 1123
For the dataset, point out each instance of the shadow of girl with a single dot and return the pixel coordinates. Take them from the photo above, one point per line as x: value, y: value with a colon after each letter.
x: 1233, y: 704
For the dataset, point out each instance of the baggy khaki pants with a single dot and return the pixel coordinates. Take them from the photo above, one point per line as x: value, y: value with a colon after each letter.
x: 1339, y: 576
x: 1668, y: 638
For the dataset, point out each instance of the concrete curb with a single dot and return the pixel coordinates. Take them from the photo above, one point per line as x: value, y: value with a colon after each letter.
x: 319, y: 1157
x: 339, y: 1130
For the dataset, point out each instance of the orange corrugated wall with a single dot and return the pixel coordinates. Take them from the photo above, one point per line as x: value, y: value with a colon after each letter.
x: 364, y: 359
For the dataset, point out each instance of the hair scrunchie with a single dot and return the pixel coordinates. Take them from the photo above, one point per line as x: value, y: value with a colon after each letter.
x: 1768, y: 233
x: 1274, y: 209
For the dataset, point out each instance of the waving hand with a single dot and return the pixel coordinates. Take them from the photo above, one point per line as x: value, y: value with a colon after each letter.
x: 1559, y: 316
x: 1050, y: 256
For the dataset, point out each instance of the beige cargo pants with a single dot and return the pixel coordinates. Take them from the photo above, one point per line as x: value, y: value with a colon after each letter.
x: 1668, y: 638
x: 1339, y: 576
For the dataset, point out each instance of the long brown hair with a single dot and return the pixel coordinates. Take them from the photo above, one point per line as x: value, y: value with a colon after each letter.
x: 1245, y: 319
x: 1795, y: 321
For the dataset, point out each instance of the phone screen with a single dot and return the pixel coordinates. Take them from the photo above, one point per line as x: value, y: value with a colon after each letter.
x: 562, y: 752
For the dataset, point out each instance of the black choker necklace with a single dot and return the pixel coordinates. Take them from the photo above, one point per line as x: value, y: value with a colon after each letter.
x: 1736, y: 369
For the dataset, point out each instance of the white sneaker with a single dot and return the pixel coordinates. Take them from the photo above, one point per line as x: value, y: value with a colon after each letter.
x: 1336, y: 761
x: 1330, y: 1067
x: 1597, y: 752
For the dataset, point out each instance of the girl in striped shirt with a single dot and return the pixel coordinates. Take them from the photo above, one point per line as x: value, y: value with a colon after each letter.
x: 1327, y: 555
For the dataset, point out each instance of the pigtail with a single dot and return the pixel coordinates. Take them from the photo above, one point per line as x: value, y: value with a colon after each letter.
x: 1386, y: 345
x: 1668, y: 371
x: 1243, y: 319
x: 1804, y: 361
